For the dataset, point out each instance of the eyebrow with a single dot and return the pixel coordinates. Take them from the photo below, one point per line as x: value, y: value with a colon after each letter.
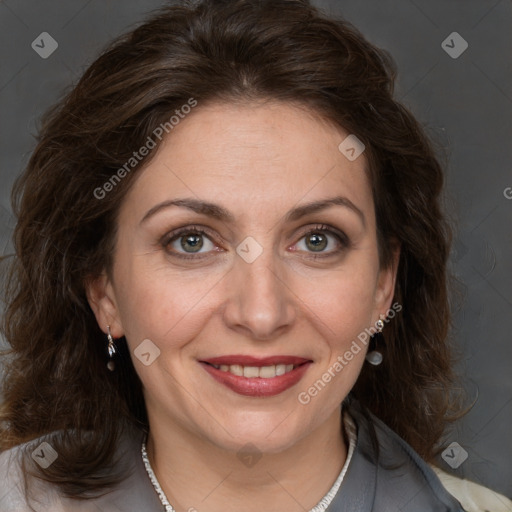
x: 220, y: 213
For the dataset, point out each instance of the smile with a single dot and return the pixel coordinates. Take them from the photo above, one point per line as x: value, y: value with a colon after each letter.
x: 249, y: 376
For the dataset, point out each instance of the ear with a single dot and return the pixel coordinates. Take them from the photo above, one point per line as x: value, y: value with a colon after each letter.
x: 101, y: 298
x: 386, y: 283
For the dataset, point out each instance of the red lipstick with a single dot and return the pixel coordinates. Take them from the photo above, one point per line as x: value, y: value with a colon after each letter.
x: 257, y: 386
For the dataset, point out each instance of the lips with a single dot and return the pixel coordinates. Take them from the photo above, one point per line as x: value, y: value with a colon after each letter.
x: 258, y: 377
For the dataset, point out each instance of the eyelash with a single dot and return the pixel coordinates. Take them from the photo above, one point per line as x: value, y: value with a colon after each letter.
x: 342, y: 239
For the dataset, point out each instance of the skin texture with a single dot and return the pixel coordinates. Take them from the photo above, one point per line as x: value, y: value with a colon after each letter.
x: 258, y: 161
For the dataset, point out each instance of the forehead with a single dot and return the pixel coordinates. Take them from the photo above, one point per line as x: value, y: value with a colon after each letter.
x: 251, y: 157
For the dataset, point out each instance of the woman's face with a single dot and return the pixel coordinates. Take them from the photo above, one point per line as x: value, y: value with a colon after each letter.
x: 240, y: 297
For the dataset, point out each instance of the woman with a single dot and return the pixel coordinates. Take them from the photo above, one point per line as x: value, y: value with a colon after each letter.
x: 229, y: 290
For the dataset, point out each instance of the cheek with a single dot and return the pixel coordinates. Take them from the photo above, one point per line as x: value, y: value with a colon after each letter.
x: 341, y: 308
x: 342, y: 301
x: 166, y: 307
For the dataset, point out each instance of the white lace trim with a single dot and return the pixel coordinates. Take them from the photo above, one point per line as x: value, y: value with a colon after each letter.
x: 351, y: 430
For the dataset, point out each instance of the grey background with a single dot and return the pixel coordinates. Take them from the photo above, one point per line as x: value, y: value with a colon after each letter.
x: 466, y: 103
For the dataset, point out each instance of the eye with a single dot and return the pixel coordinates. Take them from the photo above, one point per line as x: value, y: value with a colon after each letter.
x: 188, y: 241
x: 322, y: 240
x: 195, y: 242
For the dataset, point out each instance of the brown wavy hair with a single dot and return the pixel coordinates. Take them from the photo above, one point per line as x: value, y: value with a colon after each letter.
x: 229, y: 51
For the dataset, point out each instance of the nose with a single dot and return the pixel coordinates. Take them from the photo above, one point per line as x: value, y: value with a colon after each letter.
x: 260, y: 303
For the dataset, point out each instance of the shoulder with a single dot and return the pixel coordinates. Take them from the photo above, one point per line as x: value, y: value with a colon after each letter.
x: 21, y: 492
x: 14, y: 482
x: 473, y: 497
x: 401, y: 479
x: 11, y: 483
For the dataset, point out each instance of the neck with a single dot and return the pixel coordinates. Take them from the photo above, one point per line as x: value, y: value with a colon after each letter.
x: 197, y: 474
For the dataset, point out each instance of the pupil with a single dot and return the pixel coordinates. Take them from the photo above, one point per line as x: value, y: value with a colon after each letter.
x: 316, y: 242
x: 194, y: 242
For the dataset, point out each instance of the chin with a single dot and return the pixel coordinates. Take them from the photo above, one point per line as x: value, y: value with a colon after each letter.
x: 268, y: 432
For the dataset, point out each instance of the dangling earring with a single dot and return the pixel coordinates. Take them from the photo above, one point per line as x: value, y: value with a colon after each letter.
x: 375, y: 357
x: 111, y: 350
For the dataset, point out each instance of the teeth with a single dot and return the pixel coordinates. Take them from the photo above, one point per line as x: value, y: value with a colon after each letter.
x: 280, y: 369
x: 267, y: 372
x: 250, y: 372
x: 236, y: 369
